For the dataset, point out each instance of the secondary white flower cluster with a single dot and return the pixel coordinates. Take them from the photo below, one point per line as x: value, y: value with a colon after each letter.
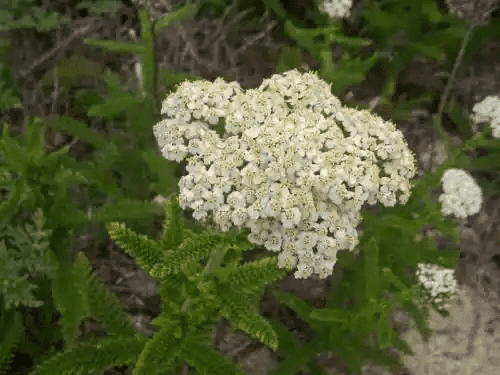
x: 294, y: 165
x: 336, y: 8
x: 488, y: 110
x: 462, y: 196
x: 438, y: 284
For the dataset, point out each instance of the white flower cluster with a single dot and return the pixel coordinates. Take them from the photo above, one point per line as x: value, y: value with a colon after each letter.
x: 438, y: 284
x: 488, y: 111
x: 336, y: 8
x: 462, y: 196
x: 294, y: 165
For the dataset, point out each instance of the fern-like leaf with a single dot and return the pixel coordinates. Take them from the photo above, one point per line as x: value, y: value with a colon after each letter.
x: 161, y: 352
x: 23, y: 254
x: 69, y: 302
x: 239, y: 308
x: 187, y: 256
x: 94, y: 357
x: 255, y: 275
x: 147, y: 252
x: 124, y: 209
x: 173, y: 232
x: 103, y: 304
x: 197, y: 351
x: 12, y: 332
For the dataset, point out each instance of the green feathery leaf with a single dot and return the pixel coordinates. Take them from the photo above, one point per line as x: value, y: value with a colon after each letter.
x: 69, y: 302
x: 103, y: 304
x: 173, y: 232
x: 162, y: 351
x: 256, y: 275
x: 147, y: 252
x: 198, y: 353
x: 12, y: 332
x: 94, y: 357
x: 239, y: 308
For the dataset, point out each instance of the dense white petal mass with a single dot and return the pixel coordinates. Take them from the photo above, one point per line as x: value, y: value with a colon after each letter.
x: 294, y: 166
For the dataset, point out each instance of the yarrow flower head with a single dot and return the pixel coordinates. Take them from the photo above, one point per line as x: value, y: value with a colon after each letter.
x: 461, y: 195
x: 436, y: 284
x: 488, y: 110
x: 294, y: 166
x: 336, y: 8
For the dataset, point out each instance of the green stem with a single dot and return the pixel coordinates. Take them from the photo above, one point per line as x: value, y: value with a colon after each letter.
x: 444, y: 98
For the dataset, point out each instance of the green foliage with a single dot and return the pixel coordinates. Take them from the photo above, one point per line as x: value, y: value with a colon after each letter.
x: 20, y: 14
x: 23, y: 261
x: 201, y: 277
x: 17, y: 14
x: 93, y: 300
x: 9, y: 98
x: 346, y: 71
x: 120, y: 153
x: 404, y: 29
x: 94, y: 357
x: 232, y: 285
x: 373, y: 282
x: 12, y: 331
x: 69, y: 71
x: 148, y: 98
x: 100, y: 6
x: 194, y: 298
x: 22, y: 256
x: 331, y: 333
x: 197, y: 347
x: 96, y: 301
x: 69, y: 301
x: 35, y: 181
x: 43, y: 180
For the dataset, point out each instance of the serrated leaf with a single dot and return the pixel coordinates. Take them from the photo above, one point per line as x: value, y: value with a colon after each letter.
x: 125, y: 209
